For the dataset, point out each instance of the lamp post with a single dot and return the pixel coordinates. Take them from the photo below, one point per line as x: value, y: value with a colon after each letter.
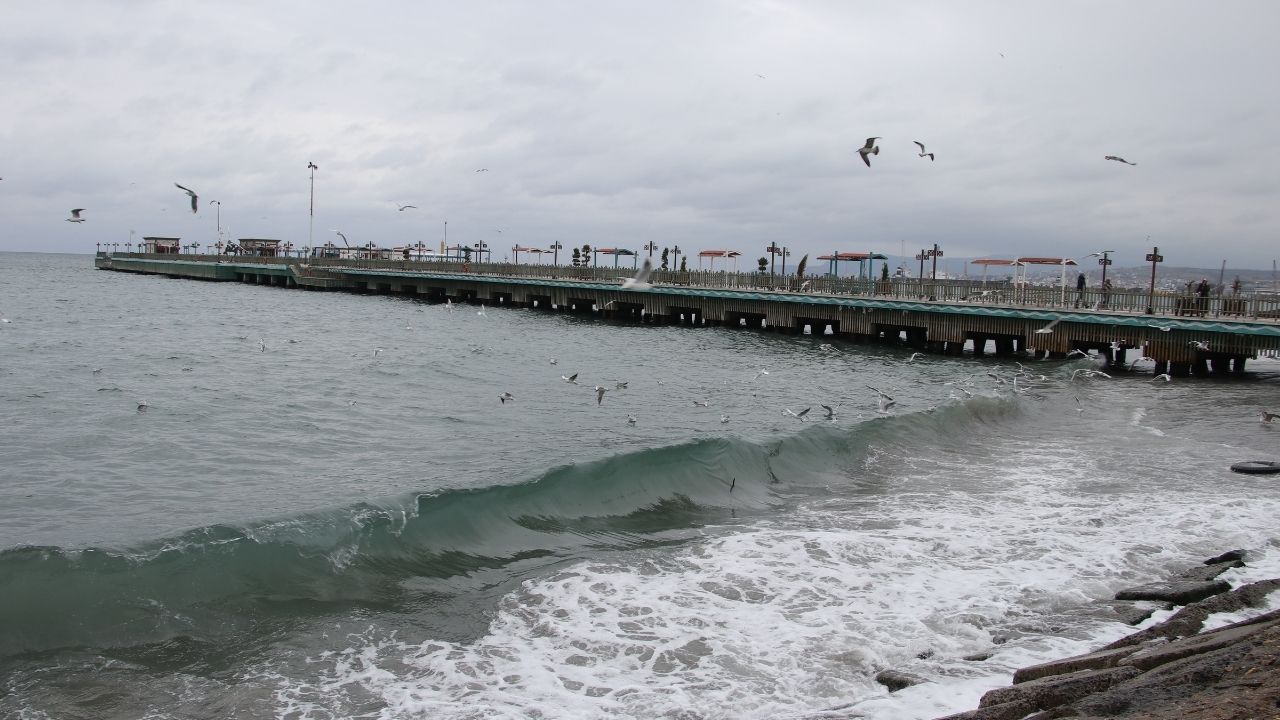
x: 675, y: 256
x: 651, y: 246
x: 515, y: 250
x: 935, y: 253
x: 195, y: 248
x: 131, y: 232
x: 1153, y: 257
x: 219, y: 203
x: 311, y: 227
x: 773, y: 254
x: 556, y: 247
x: 1104, y: 261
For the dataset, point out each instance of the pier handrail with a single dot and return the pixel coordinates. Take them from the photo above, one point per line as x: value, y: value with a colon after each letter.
x: 1257, y: 306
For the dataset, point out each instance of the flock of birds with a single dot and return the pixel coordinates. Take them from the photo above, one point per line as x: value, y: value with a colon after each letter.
x: 870, y: 148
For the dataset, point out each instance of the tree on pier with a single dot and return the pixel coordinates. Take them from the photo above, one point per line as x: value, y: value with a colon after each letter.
x: 586, y: 254
x: 665, y: 253
x: 800, y: 267
x: 683, y: 267
x: 764, y: 265
x: 577, y: 257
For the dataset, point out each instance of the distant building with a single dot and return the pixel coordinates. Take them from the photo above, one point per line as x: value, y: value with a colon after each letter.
x: 259, y: 247
x: 160, y: 245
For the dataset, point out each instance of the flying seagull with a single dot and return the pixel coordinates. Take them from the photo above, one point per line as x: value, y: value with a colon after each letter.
x: 194, y: 198
x: 75, y: 215
x: 1049, y: 328
x: 573, y: 379
x: 344, y: 238
x: 831, y: 412
x: 143, y: 405
x: 797, y: 415
x: 1118, y: 159
x: 1199, y: 345
x: 1165, y: 377
x: 631, y: 419
x: 1269, y: 416
x: 621, y: 385
x: 922, y: 150
x: 915, y: 355
x: 762, y: 372
x: 600, y: 391
x: 483, y: 170
x: 869, y: 149
x: 641, y: 280
x: 402, y: 208
x: 504, y: 397
x: 701, y: 403
x: 723, y: 418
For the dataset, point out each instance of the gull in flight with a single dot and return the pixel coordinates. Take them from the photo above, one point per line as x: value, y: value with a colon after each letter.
x: 803, y: 286
x: 621, y: 385
x: 831, y: 412
x: 1049, y: 328
x: 483, y: 170
x: 1165, y: 377
x: 344, y: 238
x: 631, y: 419
x: 762, y: 372
x: 376, y: 351
x: 869, y: 149
x: 884, y: 401
x: 572, y: 379
x: 262, y: 345
x: 75, y: 215
x: 448, y: 303
x: 194, y: 197
x: 1077, y: 351
x: 143, y: 405
x: 797, y: 415
x: 554, y: 361
x: 701, y: 403
x: 641, y: 279
x: 402, y: 208
x: 1269, y: 416
x: 600, y: 391
x: 504, y: 397
x: 923, y: 153
x: 723, y: 418
x: 1088, y: 374
x: 1118, y: 159
x: 1199, y: 345
x: 914, y: 356
x: 480, y: 312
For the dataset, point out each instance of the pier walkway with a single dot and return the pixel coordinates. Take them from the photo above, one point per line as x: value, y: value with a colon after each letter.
x: 1183, y: 335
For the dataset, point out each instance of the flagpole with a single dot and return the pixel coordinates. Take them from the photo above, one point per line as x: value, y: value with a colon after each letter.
x: 312, y: 225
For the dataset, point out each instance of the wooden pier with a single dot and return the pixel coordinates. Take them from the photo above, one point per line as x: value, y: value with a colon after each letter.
x: 947, y: 319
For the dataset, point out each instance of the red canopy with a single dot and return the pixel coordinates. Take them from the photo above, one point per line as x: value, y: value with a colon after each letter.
x: 720, y: 253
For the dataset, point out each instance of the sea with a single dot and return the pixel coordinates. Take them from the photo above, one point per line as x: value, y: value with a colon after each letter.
x: 232, y: 501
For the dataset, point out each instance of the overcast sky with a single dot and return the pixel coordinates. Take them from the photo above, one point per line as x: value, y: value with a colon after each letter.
x: 618, y: 123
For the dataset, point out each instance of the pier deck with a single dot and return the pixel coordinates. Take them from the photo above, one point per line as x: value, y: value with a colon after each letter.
x: 1216, y: 337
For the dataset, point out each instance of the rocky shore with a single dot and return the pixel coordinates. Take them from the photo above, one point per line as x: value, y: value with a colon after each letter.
x: 1177, y: 668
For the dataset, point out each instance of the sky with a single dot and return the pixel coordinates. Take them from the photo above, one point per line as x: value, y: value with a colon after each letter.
x: 711, y: 124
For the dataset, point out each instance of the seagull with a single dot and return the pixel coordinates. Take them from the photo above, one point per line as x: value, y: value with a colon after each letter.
x: 701, y: 403
x: 1088, y: 373
x: 143, y: 405
x: 631, y: 419
x: 75, y: 215
x: 884, y: 402
x: 1200, y: 345
x: 797, y: 415
x: 554, y: 361
x: 1077, y: 351
x: 914, y: 356
x: 1118, y: 159
x: 831, y: 412
x: 600, y: 391
x: 922, y: 150
x: 344, y: 238
x: 827, y: 347
x: 803, y: 286
x: 194, y: 198
x: 97, y: 371
x: 1049, y: 328
x: 641, y: 279
x: 723, y: 418
x: 762, y: 372
x: 483, y: 170
x: 1269, y: 416
x: 480, y: 312
x: 504, y: 397
x: 621, y: 385
x: 376, y: 351
x: 572, y: 379
x: 1162, y: 328
x: 869, y: 149
x: 1165, y: 377
x: 262, y: 346
x: 402, y: 208
x: 448, y: 303
x: 760, y: 76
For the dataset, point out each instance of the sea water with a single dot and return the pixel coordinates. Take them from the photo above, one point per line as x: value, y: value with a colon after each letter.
x: 324, y: 510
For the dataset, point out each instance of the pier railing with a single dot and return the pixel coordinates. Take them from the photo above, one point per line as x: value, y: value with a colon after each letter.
x: 1254, y: 306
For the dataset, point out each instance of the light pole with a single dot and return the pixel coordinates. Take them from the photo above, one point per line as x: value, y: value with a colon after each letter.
x: 219, y: 204
x: 1104, y: 261
x: 1062, y: 300
x: 311, y: 227
x: 675, y: 255
x: 773, y: 251
x: 556, y: 247
x: 1153, y: 257
x: 935, y: 253
x: 651, y: 246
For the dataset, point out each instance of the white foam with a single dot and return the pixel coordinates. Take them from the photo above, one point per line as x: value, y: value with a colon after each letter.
x: 797, y: 618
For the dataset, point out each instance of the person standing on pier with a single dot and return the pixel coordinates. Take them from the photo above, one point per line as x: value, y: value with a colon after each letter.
x: 1080, y: 281
x: 1106, y: 293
